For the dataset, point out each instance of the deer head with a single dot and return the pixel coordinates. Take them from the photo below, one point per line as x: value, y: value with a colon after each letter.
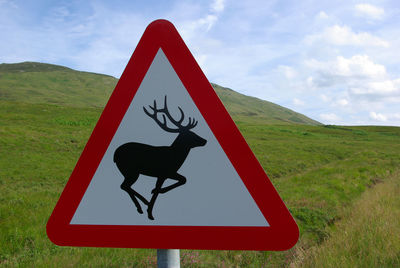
x: 186, y: 137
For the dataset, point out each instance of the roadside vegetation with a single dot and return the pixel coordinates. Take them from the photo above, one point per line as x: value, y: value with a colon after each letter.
x: 368, y: 234
x: 318, y: 171
x: 340, y: 183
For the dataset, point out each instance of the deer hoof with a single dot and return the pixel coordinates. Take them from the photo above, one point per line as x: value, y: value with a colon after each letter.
x: 150, y: 214
x: 140, y: 211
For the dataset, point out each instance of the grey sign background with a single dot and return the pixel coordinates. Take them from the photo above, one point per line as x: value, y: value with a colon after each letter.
x: 214, y: 194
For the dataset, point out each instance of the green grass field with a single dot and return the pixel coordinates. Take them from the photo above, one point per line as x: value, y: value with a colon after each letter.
x: 319, y: 171
x: 368, y: 235
x: 331, y: 177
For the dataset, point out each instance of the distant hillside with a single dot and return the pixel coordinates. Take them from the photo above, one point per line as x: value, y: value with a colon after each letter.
x: 240, y: 105
x: 45, y: 83
x: 31, y: 67
x: 34, y: 82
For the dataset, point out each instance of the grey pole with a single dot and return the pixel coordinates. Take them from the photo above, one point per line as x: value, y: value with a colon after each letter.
x: 168, y: 258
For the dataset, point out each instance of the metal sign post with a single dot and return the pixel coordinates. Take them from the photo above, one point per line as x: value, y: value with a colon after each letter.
x: 168, y: 258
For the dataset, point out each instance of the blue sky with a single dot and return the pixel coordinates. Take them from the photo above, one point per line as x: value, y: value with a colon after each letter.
x: 334, y: 61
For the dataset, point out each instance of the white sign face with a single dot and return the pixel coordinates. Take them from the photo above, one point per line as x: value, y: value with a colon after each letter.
x: 213, y: 194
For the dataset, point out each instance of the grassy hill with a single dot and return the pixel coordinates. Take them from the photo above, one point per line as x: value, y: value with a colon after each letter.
x: 326, y: 175
x: 45, y: 83
x: 33, y: 82
x: 251, y: 108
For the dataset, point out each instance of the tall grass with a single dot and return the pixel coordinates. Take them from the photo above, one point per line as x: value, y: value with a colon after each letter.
x: 369, y: 233
x: 317, y: 170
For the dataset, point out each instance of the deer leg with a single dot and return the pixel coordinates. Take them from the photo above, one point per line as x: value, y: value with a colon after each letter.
x: 180, y: 181
x: 155, y: 193
x: 126, y: 186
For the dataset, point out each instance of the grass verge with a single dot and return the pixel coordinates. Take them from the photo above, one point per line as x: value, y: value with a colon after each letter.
x: 368, y: 234
x: 317, y: 170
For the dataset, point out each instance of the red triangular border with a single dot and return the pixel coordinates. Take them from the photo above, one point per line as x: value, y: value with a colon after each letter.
x: 282, y: 233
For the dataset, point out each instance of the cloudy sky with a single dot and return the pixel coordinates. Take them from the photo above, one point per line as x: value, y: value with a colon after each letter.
x: 334, y: 61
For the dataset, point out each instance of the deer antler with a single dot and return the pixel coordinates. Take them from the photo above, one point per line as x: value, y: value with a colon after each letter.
x: 178, y: 123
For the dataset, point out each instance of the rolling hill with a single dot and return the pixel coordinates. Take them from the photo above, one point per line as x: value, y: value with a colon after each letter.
x: 33, y: 82
x: 340, y: 183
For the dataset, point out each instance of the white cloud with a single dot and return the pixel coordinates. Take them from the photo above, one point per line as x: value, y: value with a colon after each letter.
x: 324, y: 98
x: 358, y: 78
x: 322, y: 15
x: 389, y: 89
x: 255, y: 47
x: 370, y: 11
x: 378, y: 117
x: 298, y: 102
x: 330, y: 117
x: 386, y: 118
x: 342, y: 102
x: 218, y: 6
x: 344, y: 36
x: 207, y: 21
x: 287, y: 71
x: 310, y: 82
x: 190, y: 29
x: 357, y: 67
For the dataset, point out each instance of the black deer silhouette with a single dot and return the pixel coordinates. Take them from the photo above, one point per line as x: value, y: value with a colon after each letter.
x: 162, y: 162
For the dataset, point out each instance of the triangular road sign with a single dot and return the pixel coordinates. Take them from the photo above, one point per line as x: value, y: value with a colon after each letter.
x: 166, y: 167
